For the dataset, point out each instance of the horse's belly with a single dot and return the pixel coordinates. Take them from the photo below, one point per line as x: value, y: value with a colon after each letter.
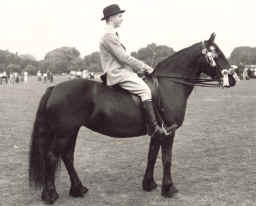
x: 118, y: 120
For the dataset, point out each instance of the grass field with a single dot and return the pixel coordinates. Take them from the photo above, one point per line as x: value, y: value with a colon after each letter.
x: 214, y: 161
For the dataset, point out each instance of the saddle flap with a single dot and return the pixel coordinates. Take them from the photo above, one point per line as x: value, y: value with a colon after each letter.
x: 150, y: 80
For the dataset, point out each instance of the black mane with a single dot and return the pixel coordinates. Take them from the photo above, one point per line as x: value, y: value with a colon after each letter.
x: 173, y: 62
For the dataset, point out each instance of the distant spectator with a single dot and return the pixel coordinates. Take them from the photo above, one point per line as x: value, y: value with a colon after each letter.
x: 25, y: 77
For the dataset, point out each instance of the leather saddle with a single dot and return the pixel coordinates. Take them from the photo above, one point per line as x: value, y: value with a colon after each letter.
x: 150, y: 80
x: 152, y: 83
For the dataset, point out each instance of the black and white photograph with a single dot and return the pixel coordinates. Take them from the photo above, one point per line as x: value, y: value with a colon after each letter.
x: 128, y: 103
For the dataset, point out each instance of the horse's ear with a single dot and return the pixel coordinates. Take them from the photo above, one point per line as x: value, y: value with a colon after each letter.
x: 212, y: 37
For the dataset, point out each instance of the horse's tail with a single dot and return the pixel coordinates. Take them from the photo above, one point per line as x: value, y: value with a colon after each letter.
x: 40, y: 140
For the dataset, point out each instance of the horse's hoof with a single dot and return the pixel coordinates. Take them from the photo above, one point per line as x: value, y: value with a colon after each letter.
x: 49, y: 197
x: 169, y: 191
x: 78, y: 192
x: 149, y: 185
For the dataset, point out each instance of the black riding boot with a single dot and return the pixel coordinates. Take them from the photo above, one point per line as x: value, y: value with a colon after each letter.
x: 153, y: 128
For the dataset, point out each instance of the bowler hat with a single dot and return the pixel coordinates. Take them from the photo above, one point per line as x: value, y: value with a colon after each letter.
x: 111, y: 10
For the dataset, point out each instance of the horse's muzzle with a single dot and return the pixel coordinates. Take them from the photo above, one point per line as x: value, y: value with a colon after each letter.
x: 229, y: 78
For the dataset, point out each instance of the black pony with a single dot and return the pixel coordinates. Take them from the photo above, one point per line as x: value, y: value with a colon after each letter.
x: 66, y: 107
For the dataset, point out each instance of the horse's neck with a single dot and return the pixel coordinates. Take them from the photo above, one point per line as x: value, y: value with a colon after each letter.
x: 182, y: 63
x: 173, y: 87
x: 178, y: 75
x: 174, y: 98
x: 181, y: 66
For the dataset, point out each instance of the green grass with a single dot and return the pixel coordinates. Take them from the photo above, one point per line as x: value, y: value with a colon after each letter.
x: 214, y: 159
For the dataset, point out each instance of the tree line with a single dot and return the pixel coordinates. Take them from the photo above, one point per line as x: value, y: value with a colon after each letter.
x: 65, y: 59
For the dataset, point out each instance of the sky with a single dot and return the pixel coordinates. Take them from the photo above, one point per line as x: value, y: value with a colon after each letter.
x: 38, y: 26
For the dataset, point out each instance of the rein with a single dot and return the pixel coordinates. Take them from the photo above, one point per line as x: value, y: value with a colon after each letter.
x: 159, y: 108
x: 201, y: 82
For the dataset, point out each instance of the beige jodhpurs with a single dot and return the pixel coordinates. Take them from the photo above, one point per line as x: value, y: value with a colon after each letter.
x: 137, y: 86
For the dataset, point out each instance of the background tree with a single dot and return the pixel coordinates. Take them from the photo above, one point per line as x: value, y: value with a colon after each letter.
x: 27, y: 57
x: 153, y: 54
x: 2, y: 67
x: 65, y: 59
x: 31, y: 69
x: 29, y: 63
x: 13, y: 68
x: 92, y: 62
x: 11, y: 62
x: 62, y: 60
x: 8, y: 58
x: 244, y: 55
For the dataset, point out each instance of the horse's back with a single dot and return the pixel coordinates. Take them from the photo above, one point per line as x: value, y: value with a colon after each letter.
x: 91, y: 90
x: 104, y: 109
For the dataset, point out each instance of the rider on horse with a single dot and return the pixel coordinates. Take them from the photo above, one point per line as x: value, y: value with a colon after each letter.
x: 122, y: 69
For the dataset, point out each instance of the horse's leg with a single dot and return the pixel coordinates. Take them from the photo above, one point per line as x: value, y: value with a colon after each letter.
x: 57, y: 146
x: 49, y: 194
x: 168, y: 188
x: 148, y: 183
x: 77, y: 189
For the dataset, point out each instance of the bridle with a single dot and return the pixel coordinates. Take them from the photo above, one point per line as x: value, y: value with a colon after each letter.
x: 222, y: 73
x: 210, y: 55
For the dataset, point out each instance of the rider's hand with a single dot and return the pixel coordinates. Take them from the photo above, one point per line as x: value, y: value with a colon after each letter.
x: 148, y: 69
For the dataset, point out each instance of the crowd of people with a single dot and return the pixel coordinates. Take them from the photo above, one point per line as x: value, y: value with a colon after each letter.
x: 17, y: 77
x: 245, y: 72
x: 44, y: 76
x: 85, y: 74
x: 13, y: 77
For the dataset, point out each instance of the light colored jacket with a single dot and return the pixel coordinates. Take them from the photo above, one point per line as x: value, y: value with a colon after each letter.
x: 116, y: 62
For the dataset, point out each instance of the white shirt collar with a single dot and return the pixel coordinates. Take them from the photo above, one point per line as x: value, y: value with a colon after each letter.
x: 110, y: 29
